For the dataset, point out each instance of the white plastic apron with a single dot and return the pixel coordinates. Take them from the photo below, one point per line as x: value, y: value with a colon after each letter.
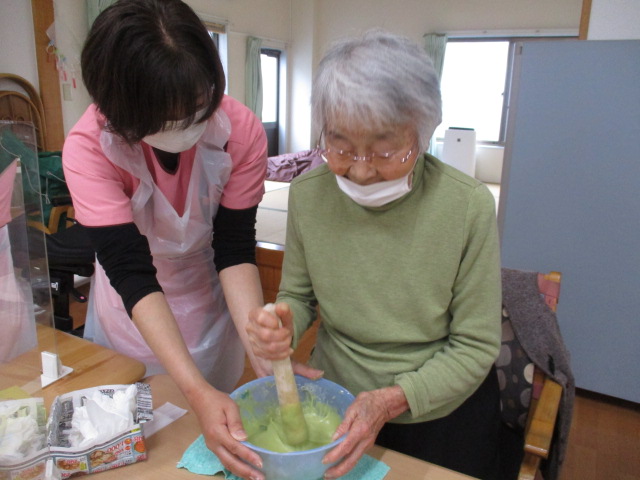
x: 182, y: 254
x: 16, y: 304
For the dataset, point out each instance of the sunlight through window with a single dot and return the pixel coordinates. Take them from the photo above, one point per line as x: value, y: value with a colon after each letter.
x: 473, y: 84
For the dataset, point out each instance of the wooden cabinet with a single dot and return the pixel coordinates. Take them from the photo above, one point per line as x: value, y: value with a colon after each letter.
x: 269, y: 258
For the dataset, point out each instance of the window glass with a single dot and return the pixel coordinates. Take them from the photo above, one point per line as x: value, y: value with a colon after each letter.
x: 269, y: 68
x: 215, y: 30
x: 473, y: 84
x: 215, y: 37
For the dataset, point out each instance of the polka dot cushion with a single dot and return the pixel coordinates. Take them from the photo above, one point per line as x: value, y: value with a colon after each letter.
x: 515, y: 377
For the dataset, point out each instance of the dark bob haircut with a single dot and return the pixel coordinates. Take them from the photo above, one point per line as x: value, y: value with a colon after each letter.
x: 148, y: 62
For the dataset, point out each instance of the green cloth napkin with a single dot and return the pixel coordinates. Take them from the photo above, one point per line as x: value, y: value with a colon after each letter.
x: 199, y: 459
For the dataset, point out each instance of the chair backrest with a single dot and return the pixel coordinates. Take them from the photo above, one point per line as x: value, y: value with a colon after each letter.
x: 16, y: 106
x: 549, y: 288
x: 530, y: 399
x: 516, y: 372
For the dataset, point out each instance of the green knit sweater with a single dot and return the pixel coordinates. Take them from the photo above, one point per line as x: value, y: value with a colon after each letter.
x: 409, y: 292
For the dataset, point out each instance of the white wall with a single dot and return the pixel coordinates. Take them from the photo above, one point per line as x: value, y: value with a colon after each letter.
x: 267, y: 19
x: 239, y: 15
x: 71, y: 26
x: 414, y: 18
x: 18, y: 52
x: 303, y: 27
x: 300, y: 72
x: 614, y: 20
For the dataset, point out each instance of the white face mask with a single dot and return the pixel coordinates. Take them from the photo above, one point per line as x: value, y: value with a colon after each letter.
x: 175, y: 140
x: 376, y: 194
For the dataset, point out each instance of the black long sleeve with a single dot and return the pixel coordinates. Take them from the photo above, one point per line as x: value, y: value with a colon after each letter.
x: 126, y: 258
x: 234, y: 237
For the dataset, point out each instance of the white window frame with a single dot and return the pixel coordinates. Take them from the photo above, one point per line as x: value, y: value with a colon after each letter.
x: 513, y: 37
x: 220, y: 27
x: 283, y: 114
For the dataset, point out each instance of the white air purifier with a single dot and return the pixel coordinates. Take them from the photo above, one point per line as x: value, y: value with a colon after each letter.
x: 459, y: 149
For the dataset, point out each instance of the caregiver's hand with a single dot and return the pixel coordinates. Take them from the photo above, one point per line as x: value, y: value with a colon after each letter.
x: 362, y: 422
x: 221, y: 426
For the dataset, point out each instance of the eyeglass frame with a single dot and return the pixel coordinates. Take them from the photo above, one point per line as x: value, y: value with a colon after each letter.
x: 363, y: 158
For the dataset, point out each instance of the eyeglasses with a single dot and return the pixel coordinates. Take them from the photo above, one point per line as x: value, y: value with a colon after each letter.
x: 344, y: 156
x: 379, y: 159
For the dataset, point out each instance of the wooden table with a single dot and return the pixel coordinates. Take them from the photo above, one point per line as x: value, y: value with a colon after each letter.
x: 165, y: 448
x: 92, y: 364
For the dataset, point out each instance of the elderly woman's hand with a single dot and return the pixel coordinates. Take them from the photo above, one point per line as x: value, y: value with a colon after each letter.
x: 362, y: 422
x: 268, y: 338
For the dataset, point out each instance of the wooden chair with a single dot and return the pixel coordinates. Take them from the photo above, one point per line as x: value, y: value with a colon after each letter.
x: 545, y: 401
x: 16, y: 106
x: 20, y: 102
x: 58, y: 213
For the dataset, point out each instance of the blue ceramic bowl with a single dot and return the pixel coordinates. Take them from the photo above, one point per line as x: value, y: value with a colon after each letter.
x: 260, y: 397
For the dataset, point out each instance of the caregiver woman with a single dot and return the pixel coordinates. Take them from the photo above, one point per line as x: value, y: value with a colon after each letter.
x: 166, y: 174
x: 400, y: 252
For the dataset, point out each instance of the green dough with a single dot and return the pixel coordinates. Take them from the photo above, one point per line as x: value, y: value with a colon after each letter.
x: 265, y: 431
x: 294, y: 424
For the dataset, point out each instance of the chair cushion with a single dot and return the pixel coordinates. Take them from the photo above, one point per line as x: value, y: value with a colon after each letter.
x: 515, y: 377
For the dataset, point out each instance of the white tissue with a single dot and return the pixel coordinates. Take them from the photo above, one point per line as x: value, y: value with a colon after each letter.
x: 102, y: 417
x: 20, y: 434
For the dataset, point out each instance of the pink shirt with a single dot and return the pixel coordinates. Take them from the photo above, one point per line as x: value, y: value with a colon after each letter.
x: 101, y: 191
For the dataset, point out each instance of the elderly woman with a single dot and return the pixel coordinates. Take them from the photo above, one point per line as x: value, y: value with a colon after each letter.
x: 401, y: 254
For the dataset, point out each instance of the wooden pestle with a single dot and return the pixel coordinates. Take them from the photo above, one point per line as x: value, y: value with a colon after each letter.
x: 293, y: 422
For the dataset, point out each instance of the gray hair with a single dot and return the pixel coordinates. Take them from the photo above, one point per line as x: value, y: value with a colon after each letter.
x: 378, y: 79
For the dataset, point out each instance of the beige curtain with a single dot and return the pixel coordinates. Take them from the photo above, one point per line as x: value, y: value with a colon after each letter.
x: 95, y: 7
x: 435, y: 44
x: 253, y: 76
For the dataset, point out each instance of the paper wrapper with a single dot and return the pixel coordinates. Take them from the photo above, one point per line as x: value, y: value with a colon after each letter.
x: 122, y: 449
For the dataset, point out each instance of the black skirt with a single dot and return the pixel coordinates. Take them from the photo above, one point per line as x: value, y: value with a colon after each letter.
x: 466, y: 440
